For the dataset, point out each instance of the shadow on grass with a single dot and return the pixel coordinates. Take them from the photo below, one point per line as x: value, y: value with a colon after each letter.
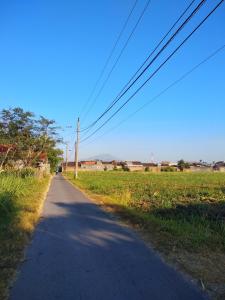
x: 214, y: 212
x: 223, y: 190
x: 8, y: 208
x: 192, y: 226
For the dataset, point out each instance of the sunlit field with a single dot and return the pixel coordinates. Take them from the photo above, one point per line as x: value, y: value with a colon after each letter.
x: 182, y: 213
x: 189, y: 206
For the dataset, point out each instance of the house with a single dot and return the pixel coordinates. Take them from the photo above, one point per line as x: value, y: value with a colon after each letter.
x: 69, y: 166
x: 133, y: 166
x: 199, y: 167
x: 168, y: 164
x: 151, y: 167
x: 94, y: 165
x: 108, y: 165
x: 118, y: 165
x: 219, y: 166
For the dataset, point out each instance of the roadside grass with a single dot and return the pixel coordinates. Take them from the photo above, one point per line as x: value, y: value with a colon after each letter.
x: 182, y: 215
x: 21, y: 199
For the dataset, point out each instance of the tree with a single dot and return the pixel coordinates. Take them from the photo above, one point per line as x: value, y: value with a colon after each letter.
x: 54, y: 158
x: 182, y: 165
x: 27, y: 138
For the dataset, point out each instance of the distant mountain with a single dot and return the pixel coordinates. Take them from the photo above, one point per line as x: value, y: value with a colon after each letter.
x: 104, y: 157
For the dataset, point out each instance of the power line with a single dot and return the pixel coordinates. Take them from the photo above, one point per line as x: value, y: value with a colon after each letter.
x: 87, y: 129
x: 162, y: 92
x: 118, y: 58
x: 156, y: 71
x: 119, y: 96
x: 109, y: 57
x: 157, y: 46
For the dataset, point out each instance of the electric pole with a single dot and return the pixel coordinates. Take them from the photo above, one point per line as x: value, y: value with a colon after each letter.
x: 76, y: 149
x: 66, y: 156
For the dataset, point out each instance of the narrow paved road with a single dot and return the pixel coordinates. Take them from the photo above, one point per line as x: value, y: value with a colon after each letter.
x: 80, y: 252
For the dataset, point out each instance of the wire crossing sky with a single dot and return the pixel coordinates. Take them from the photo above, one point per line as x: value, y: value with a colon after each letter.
x: 161, y: 93
x: 120, y: 54
x: 133, y: 80
x: 162, y: 64
x: 86, y: 104
x: 52, y: 53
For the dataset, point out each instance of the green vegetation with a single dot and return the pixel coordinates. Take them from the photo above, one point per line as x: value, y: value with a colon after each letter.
x: 182, y: 214
x: 168, y: 169
x: 183, y: 165
x: 20, y: 203
x: 25, y: 140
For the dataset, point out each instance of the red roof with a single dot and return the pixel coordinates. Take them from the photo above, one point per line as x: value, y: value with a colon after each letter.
x: 88, y: 162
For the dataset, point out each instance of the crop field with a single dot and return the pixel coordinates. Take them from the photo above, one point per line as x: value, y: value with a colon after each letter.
x: 20, y: 202
x: 182, y: 214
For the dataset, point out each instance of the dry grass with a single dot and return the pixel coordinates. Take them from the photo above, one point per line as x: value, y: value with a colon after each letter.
x: 20, y: 205
x: 180, y: 215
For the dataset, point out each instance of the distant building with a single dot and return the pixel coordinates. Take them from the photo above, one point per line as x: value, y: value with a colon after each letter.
x: 219, y: 166
x: 151, y: 167
x: 168, y: 164
x: 70, y: 166
x: 199, y: 167
x: 118, y: 165
x: 108, y: 165
x: 90, y: 165
x: 95, y: 165
x: 133, y: 166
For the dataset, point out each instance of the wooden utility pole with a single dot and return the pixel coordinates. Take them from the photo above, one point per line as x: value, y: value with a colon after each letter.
x: 66, y: 156
x: 76, y: 149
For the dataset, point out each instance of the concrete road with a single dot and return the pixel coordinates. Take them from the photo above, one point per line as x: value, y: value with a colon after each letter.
x: 80, y: 252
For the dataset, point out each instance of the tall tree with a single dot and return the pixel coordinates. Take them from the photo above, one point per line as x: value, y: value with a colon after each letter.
x: 26, y: 138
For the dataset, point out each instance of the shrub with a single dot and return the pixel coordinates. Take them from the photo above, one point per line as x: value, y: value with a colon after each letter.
x: 27, y: 172
x: 168, y: 169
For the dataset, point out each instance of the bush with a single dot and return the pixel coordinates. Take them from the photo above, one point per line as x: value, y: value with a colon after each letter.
x: 126, y: 169
x: 23, y: 173
x: 27, y: 172
x: 168, y: 169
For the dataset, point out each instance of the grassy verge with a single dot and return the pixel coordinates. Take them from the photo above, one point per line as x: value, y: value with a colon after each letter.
x: 181, y: 215
x: 20, y: 203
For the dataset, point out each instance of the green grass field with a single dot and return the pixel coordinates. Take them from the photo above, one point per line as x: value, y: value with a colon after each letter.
x: 190, y: 207
x: 183, y: 214
x: 20, y: 203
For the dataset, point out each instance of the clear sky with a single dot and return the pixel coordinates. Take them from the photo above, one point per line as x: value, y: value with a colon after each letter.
x: 52, y: 52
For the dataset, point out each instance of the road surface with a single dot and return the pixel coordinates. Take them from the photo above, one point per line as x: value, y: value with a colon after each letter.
x: 80, y: 252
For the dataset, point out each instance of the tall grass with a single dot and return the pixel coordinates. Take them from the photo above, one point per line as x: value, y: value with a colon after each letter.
x: 20, y: 201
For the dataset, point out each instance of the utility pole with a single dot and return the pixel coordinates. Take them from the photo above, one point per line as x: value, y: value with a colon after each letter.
x: 76, y: 149
x: 66, y: 156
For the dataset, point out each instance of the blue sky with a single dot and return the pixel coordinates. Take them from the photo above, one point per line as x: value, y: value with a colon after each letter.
x: 52, y: 52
